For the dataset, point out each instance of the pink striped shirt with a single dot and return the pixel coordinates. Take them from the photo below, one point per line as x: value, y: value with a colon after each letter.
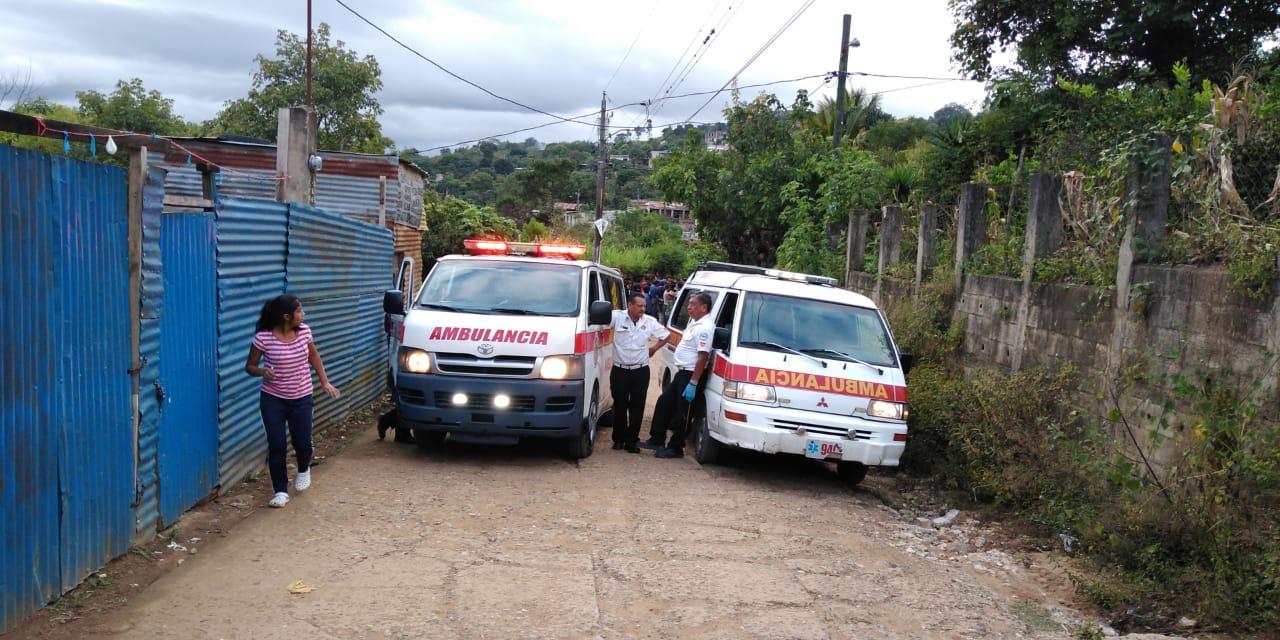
x: 289, y: 361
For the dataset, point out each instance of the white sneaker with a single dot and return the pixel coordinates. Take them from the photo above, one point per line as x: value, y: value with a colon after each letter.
x: 303, y: 481
x: 279, y: 500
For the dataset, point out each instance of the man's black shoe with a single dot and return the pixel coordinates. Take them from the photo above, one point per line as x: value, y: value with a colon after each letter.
x: 650, y: 445
x: 669, y: 452
x: 618, y: 445
x: 632, y: 447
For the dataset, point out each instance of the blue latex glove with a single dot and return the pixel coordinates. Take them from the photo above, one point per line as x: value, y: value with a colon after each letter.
x: 689, y: 391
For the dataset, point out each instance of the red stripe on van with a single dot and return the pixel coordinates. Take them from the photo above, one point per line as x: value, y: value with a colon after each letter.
x: 808, y: 381
x: 588, y: 341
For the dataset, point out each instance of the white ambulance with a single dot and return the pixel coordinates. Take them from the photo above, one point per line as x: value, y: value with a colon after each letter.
x: 510, y: 341
x: 798, y: 366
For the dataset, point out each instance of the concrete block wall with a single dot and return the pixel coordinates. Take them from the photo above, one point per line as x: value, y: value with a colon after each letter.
x: 1162, y: 320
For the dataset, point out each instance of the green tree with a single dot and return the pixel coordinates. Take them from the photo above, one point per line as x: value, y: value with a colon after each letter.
x: 862, y: 111
x: 343, y: 94
x: 1110, y: 42
x: 848, y: 179
x: 131, y: 107
x: 452, y: 220
x: 543, y: 183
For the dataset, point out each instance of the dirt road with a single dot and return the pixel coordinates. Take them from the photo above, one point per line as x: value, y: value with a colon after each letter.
x: 465, y: 542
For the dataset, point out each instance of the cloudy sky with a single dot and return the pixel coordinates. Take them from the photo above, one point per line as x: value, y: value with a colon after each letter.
x: 556, y: 55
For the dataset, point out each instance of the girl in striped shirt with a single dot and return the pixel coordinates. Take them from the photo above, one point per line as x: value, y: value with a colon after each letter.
x: 283, y: 354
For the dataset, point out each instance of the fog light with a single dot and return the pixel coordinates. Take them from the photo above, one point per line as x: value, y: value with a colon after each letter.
x: 459, y: 399
x: 501, y: 401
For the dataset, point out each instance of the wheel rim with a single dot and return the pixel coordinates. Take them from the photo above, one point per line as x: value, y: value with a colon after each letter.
x: 592, y: 418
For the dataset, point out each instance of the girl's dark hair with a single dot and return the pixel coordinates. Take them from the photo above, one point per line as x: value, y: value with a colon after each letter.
x: 275, y: 309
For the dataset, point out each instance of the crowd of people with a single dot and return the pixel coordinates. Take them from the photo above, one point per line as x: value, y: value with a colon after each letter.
x: 659, y: 293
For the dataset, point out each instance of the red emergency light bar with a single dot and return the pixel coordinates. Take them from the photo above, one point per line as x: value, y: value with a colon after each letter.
x: 541, y: 249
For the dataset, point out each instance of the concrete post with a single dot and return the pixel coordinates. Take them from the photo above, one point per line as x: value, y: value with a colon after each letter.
x: 927, y: 246
x: 1044, y: 236
x: 1044, y: 221
x: 1147, y: 212
x: 890, y: 237
x: 971, y: 225
x: 293, y: 150
x: 856, y: 249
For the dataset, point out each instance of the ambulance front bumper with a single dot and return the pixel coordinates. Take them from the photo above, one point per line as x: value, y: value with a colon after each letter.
x: 780, y: 430
x: 547, y: 408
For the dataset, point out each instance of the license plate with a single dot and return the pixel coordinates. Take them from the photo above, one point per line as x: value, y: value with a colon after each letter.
x: 823, y: 449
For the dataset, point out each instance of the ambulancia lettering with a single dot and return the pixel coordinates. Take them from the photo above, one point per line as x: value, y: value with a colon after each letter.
x: 468, y: 334
x: 813, y: 382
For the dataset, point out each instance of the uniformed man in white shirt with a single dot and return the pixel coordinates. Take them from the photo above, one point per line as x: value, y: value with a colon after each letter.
x: 691, y: 359
x: 629, y: 380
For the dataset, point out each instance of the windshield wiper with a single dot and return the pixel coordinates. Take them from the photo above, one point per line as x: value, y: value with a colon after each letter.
x: 774, y: 345
x: 514, y: 312
x: 845, y: 356
x: 437, y: 305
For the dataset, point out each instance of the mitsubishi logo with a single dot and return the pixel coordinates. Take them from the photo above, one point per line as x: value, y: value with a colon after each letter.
x: 485, y: 349
x: 822, y: 402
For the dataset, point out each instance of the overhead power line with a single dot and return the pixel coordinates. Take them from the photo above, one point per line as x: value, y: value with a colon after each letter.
x: 889, y: 75
x: 633, y: 43
x: 759, y: 52
x: 452, y: 74
x: 701, y: 53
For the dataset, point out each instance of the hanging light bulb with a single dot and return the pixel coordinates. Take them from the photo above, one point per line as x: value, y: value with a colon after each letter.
x: 111, y: 146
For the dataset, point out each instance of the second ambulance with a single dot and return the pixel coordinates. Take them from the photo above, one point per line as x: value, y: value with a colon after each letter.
x: 799, y: 366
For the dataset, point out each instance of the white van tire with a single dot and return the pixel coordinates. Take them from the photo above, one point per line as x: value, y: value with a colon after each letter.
x: 851, y: 473
x: 581, y: 447
x: 706, y: 450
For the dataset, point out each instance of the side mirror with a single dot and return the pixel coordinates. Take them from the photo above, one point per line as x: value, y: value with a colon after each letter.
x: 907, y: 361
x: 721, y: 338
x: 393, y: 302
x: 601, y: 312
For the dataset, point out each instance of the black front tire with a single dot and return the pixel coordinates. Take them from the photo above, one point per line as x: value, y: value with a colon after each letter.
x: 852, y: 473
x: 582, y: 446
x: 706, y: 450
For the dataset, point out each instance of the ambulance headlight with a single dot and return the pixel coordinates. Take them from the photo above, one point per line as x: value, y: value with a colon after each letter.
x: 886, y: 410
x: 749, y: 392
x: 415, y: 360
x: 562, y: 368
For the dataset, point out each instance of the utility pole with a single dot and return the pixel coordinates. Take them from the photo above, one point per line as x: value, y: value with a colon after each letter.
x: 309, y: 105
x: 600, y: 166
x: 844, y: 66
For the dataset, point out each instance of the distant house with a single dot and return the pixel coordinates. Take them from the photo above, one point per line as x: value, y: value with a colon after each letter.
x: 673, y: 211
x: 655, y: 154
x: 620, y: 160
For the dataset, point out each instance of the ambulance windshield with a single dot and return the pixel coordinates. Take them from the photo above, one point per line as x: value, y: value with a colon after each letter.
x: 493, y: 287
x: 816, y: 328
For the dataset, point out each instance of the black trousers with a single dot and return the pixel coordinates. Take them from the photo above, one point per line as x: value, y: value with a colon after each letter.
x: 672, y: 412
x: 630, y: 388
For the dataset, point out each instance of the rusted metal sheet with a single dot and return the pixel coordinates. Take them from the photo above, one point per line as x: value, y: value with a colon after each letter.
x: 348, y: 183
x: 152, y: 298
x: 66, y: 429
x: 251, y: 237
x: 408, y: 243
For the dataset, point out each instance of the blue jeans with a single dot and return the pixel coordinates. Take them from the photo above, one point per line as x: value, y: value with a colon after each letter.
x: 277, y: 415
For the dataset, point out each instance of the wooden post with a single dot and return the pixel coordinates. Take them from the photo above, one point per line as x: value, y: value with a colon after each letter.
x: 137, y: 184
x: 382, y: 201
x: 293, y: 150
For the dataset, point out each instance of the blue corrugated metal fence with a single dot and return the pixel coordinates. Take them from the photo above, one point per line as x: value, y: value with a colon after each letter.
x: 188, y: 443
x: 78, y: 479
x: 66, y: 428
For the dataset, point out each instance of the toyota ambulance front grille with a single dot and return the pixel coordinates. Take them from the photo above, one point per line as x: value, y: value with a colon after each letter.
x: 484, y: 401
x: 852, y: 434
x: 469, y: 365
